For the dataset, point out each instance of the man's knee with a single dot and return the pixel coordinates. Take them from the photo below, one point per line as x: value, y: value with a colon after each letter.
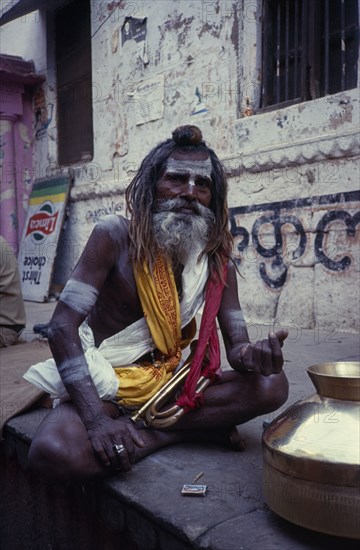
x: 52, y: 454
x: 47, y: 456
x: 275, y: 391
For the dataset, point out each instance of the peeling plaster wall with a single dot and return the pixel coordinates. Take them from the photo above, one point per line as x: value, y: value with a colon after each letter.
x: 293, y: 172
x: 294, y: 205
x: 294, y: 202
x: 188, y: 53
x: 307, y: 151
x: 192, y: 47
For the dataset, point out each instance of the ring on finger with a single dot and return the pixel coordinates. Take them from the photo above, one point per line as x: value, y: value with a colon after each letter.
x: 118, y: 449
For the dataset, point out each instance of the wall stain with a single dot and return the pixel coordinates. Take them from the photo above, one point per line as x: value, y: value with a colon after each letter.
x: 178, y: 24
x: 214, y: 30
x: 174, y: 99
x: 235, y: 30
x: 338, y: 119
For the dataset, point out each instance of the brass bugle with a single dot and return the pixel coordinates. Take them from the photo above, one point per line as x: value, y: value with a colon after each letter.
x: 150, y: 413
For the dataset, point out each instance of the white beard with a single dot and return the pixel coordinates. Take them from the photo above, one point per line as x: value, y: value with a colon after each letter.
x: 177, y: 233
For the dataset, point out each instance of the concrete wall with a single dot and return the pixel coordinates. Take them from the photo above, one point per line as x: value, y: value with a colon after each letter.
x: 293, y: 172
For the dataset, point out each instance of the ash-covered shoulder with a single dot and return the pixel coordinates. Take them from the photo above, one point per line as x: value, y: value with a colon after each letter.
x: 117, y: 227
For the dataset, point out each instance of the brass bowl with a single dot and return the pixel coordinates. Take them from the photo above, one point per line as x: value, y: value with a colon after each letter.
x: 312, y: 454
x: 338, y: 380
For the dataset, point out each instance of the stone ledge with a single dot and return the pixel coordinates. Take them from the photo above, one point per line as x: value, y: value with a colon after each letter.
x: 144, y: 508
x: 317, y: 130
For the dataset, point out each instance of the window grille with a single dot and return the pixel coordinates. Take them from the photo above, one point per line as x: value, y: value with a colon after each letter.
x: 310, y: 49
x: 74, y: 85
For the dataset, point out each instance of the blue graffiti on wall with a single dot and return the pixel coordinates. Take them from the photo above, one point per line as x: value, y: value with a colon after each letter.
x: 277, y: 220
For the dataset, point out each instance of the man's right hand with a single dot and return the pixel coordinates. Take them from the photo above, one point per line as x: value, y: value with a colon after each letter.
x: 106, y: 432
x: 265, y: 356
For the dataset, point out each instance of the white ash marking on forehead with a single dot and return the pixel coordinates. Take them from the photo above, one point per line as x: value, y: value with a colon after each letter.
x: 192, y: 167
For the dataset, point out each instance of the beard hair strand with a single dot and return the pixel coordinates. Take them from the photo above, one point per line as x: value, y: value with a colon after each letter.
x: 176, y: 233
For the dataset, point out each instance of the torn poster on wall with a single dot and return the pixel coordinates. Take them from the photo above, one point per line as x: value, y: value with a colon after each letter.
x: 43, y: 114
x: 135, y: 29
x: 148, y: 98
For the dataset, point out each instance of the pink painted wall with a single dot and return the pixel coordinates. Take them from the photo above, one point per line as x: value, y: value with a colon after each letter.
x: 16, y: 159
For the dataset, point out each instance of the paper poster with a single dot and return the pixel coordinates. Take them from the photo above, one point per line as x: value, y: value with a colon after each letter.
x: 148, y: 97
x: 133, y: 29
x: 40, y: 236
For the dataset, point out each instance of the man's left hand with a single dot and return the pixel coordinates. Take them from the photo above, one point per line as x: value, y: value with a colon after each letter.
x: 265, y: 356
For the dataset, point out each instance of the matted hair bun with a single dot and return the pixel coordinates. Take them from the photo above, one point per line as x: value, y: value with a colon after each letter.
x: 187, y: 135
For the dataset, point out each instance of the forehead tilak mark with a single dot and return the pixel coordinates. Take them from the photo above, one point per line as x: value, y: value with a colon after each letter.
x: 192, y: 167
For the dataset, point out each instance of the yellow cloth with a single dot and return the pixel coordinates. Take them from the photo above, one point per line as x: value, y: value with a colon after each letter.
x: 160, y: 303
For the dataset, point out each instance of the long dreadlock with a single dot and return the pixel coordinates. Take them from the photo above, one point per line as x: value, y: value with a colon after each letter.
x: 141, y: 194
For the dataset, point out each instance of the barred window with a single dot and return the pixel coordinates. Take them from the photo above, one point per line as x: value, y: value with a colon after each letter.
x: 310, y: 49
x: 74, y: 86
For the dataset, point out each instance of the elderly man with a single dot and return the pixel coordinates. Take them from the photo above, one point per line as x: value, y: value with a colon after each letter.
x: 127, y: 312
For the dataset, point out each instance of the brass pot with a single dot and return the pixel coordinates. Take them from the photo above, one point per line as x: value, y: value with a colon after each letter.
x: 312, y: 454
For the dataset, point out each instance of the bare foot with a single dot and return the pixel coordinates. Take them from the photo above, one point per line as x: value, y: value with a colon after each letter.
x: 229, y: 437
x: 236, y: 441
x: 156, y: 439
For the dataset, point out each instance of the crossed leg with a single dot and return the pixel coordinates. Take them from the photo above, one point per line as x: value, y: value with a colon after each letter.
x: 61, y: 450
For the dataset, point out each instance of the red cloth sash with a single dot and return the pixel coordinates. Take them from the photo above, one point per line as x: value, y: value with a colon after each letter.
x: 208, y: 340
